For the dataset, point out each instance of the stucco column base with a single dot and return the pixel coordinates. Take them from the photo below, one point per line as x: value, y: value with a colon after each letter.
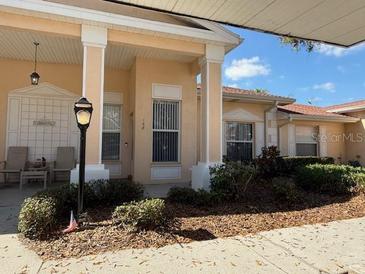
x: 92, y: 173
x: 200, y: 178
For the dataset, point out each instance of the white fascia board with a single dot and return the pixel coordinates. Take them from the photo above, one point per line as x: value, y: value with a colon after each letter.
x: 231, y: 37
x: 348, y: 109
x: 300, y: 117
x: 115, y: 20
x: 247, y: 97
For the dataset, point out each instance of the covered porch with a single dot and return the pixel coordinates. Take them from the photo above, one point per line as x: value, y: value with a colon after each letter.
x: 128, y: 76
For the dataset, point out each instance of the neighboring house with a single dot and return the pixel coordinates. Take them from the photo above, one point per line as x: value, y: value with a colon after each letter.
x: 139, y: 69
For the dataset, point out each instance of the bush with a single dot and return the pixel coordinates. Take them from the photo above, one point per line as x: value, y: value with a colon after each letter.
x: 146, y: 214
x: 285, y: 190
x: 332, y: 179
x: 37, y: 217
x: 289, y: 164
x: 64, y: 199
x: 267, y: 162
x: 115, y: 192
x: 189, y: 196
x: 230, y: 180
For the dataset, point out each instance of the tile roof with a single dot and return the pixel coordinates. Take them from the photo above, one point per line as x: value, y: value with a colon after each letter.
x: 346, y: 105
x: 308, y: 110
x: 238, y: 91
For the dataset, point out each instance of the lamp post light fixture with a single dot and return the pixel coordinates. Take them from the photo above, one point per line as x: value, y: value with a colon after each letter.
x: 83, y: 111
x: 34, y: 77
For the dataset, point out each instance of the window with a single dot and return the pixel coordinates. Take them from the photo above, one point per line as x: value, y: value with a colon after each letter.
x: 306, y: 141
x: 166, y: 131
x: 111, y: 132
x: 239, y: 141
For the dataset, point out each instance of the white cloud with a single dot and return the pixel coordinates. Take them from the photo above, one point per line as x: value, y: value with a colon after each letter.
x: 232, y: 85
x: 246, y: 68
x: 337, y: 51
x: 325, y: 86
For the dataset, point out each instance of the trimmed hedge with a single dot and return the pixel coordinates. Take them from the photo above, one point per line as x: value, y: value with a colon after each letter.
x: 189, y: 196
x: 43, y: 211
x: 146, y: 214
x: 289, y: 164
x: 37, y: 217
x: 331, y: 179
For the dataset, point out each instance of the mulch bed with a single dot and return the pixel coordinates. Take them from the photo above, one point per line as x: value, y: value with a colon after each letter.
x: 196, y: 224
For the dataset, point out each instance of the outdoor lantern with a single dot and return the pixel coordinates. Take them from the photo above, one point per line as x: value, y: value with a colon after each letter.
x: 34, y: 77
x: 83, y: 111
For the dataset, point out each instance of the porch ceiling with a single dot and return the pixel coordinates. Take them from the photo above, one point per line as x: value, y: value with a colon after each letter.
x: 339, y: 22
x: 17, y: 44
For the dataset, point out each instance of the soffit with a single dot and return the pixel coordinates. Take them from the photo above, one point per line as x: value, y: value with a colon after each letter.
x: 339, y: 22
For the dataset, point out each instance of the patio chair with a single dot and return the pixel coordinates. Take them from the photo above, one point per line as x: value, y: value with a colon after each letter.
x: 16, y: 161
x: 65, y: 161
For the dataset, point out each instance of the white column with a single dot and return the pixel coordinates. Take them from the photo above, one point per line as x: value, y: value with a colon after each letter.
x: 211, y: 148
x: 291, y: 140
x: 94, y: 40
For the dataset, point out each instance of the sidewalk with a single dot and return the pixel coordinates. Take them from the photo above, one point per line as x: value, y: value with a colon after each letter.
x: 331, y: 248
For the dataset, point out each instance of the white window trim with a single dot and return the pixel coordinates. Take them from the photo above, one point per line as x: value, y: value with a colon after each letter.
x: 225, y: 141
x: 168, y: 130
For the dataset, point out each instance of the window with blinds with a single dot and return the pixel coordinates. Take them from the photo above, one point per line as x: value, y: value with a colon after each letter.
x: 306, y: 141
x: 239, y: 141
x: 111, y: 132
x: 166, y: 131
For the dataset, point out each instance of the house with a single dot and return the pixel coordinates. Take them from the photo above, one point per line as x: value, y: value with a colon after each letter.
x: 139, y: 70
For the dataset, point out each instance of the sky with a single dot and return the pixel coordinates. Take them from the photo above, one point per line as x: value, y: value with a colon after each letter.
x: 326, y: 76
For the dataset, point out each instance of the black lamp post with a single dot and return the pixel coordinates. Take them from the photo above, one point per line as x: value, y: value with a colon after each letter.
x: 34, y: 77
x: 83, y: 110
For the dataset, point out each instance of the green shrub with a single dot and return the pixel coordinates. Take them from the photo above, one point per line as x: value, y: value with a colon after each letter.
x: 37, y: 217
x: 189, y: 196
x: 230, y: 180
x: 285, y: 190
x: 64, y: 199
x: 146, y: 214
x: 267, y: 162
x: 289, y: 164
x: 115, y: 192
x: 332, y: 179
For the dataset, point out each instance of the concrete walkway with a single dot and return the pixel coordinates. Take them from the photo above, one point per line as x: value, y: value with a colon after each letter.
x: 332, y: 248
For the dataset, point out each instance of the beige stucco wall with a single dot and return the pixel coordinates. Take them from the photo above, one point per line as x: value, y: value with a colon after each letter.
x: 355, y: 138
x: 334, y: 132
x: 237, y: 111
x: 15, y: 75
x: 149, y: 71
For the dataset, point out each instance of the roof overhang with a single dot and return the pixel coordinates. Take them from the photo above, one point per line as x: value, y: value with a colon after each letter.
x: 269, y: 99
x: 322, y: 118
x: 82, y: 15
x: 347, y: 109
x: 337, y: 22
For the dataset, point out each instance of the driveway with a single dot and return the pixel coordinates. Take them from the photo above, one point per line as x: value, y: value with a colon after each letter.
x: 332, y: 248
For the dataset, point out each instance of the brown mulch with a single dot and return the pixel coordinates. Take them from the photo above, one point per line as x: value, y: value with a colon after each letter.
x: 197, y: 224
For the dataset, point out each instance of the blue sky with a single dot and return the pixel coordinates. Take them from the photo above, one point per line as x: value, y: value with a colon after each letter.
x: 326, y: 76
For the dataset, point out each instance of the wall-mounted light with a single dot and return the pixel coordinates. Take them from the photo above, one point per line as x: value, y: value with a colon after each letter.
x: 34, y: 77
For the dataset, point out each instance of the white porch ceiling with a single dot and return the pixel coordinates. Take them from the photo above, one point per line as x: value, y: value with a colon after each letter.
x: 339, y: 22
x: 15, y: 44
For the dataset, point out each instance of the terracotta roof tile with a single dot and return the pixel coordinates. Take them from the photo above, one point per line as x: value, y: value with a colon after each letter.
x: 230, y: 90
x: 346, y: 105
x: 308, y: 110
